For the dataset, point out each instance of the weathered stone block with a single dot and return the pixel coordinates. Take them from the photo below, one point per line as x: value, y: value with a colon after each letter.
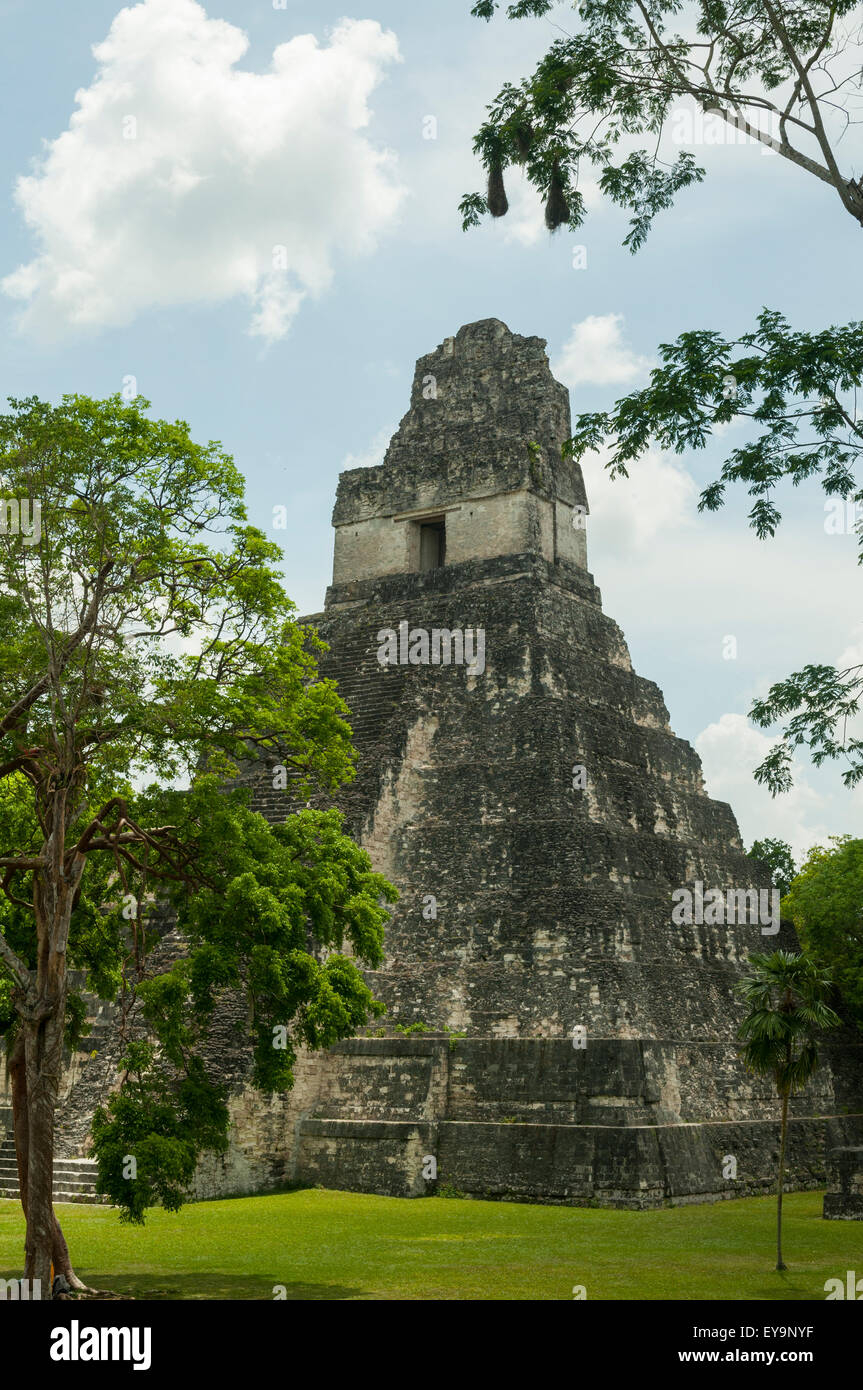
x: 844, y: 1200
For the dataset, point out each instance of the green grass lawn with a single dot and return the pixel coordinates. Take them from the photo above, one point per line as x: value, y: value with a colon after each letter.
x: 333, y: 1245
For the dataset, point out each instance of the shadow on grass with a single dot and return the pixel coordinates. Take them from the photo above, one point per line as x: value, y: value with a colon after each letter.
x: 786, y: 1286
x: 281, y: 1190
x: 213, y: 1287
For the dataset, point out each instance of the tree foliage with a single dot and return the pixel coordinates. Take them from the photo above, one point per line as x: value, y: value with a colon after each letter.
x: 787, y: 1012
x: 825, y: 903
x: 777, y: 72
x: 145, y: 635
x: 786, y: 995
x: 782, y: 74
x: 778, y: 857
x: 799, y: 390
x: 280, y: 914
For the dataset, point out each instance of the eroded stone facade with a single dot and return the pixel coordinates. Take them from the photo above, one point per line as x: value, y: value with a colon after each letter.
x: 536, y: 899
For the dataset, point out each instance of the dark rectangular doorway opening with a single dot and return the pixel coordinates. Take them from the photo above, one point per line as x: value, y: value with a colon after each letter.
x: 432, y: 544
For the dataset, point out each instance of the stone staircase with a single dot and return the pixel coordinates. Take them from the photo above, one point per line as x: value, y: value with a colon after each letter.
x: 93, y: 1077
x: 74, y: 1178
x: 97, y: 1063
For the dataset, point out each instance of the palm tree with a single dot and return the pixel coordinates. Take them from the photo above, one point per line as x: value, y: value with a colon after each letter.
x: 786, y: 994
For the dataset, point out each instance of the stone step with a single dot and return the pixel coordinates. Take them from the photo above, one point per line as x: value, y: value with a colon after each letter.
x: 60, y: 1194
x: 74, y: 1178
x: 9, y: 1162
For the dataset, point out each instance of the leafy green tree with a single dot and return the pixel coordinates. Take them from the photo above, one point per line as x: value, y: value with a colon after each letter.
x: 145, y: 632
x: 787, y: 1011
x: 825, y: 904
x: 626, y: 69
x: 777, y: 855
x: 261, y: 892
x: 782, y: 74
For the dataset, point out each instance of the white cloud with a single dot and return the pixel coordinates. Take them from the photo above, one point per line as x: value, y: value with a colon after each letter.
x: 679, y: 583
x: 658, y: 499
x: 183, y: 179
x: 524, y: 224
x: 730, y: 750
x: 852, y: 655
x: 596, y: 355
x: 374, y: 452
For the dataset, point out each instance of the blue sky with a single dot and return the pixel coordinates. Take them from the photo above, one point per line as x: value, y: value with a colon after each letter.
x: 127, y: 275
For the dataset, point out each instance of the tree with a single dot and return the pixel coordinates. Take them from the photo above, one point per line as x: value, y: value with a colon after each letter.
x: 623, y: 76
x: 146, y: 633
x: 787, y: 1010
x: 800, y: 390
x: 825, y: 903
x: 777, y: 855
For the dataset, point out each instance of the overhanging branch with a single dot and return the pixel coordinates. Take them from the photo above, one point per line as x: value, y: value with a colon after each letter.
x: 14, y: 963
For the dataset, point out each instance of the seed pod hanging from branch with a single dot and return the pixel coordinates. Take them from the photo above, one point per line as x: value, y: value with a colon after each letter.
x: 556, y: 206
x: 523, y: 135
x: 496, y: 197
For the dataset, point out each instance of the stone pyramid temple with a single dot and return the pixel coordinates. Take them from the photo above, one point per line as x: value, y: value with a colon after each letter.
x: 554, y: 1031
x: 526, y: 793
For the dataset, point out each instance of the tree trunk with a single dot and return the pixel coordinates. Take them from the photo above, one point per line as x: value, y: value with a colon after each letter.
x: 21, y: 1126
x: 40, y: 1003
x: 43, y: 1054
x: 781, y: 1183
x: 63, y: 1260
x: 43, y: 1016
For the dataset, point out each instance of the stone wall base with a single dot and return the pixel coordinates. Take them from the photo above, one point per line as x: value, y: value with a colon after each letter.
x: 413, y: 1117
